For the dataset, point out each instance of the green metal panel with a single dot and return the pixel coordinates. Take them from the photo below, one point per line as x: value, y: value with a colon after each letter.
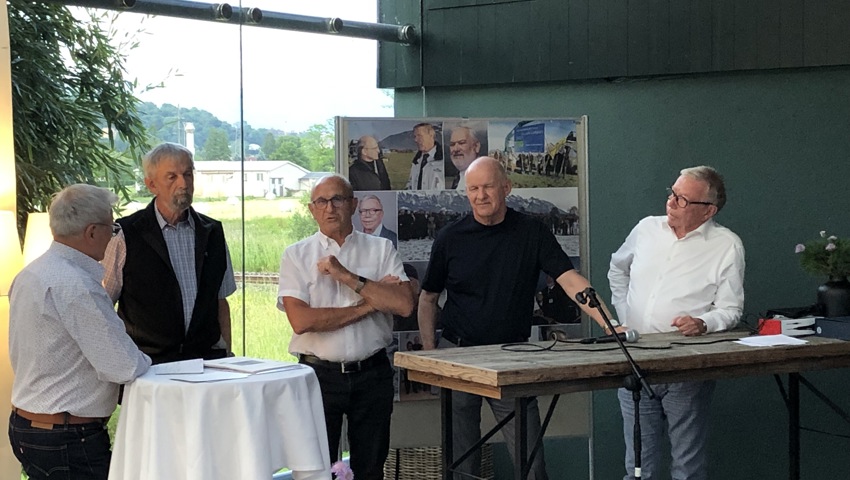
x: 790, y: 32
x: 486, y: 42
x: 399, y: 65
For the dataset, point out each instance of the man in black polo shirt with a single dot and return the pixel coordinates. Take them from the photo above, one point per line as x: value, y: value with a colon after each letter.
x: 489, y: 263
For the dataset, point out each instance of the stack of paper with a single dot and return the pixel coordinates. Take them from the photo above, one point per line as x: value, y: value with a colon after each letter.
x: 250, y: 365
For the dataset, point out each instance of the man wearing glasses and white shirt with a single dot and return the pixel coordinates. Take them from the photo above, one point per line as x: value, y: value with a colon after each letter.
x: 340, y: 289
x: 68, y: 348
x: 681, y: 272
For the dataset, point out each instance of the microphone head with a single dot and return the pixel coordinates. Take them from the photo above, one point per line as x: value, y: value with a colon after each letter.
x: 632, y: 336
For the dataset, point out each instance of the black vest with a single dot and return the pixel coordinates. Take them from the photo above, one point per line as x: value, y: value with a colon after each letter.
x: 151, y: 303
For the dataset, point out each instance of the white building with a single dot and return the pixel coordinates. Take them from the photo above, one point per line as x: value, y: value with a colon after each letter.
x: 221, y: 178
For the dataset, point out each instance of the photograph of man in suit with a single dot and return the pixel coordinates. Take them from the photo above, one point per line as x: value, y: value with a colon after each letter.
x: 371, y: 212
x: 427, y: 170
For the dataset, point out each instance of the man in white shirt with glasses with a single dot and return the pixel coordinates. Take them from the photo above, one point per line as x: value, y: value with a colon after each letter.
x: 680, y: 272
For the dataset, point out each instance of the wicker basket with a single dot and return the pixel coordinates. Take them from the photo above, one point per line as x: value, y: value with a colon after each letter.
x: 425, y: 463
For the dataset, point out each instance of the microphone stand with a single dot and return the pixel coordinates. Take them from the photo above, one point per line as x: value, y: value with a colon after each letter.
x: 634, y: 382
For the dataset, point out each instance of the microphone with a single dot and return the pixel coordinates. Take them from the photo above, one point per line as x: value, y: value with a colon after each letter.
x: 629, y: 336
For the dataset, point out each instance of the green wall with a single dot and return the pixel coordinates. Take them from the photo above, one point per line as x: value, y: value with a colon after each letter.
x: 782, y: 140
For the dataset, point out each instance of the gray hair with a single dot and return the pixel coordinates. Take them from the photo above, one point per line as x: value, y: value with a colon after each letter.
x: 163, y: 151
x: 474, y: 129
x: 716, y: 187
x: 427, y: 127
x: 371, y: 197
x: 78, y: 206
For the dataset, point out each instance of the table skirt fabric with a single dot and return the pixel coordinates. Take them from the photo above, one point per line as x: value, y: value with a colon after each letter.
x: 247, y: 428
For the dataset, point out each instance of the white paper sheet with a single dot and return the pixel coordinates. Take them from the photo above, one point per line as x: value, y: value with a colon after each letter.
x: 770, y: 340
x: 195, y: 365
x: 210, y: 376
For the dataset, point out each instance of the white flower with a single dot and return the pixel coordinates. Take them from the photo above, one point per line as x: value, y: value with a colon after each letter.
x: 800, y: 248
x: 823, y: 234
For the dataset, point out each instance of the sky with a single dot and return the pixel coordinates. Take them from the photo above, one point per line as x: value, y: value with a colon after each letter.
x: 290, y: 80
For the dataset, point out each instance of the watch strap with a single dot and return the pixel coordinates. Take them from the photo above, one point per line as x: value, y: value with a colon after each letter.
x: 361, y: 282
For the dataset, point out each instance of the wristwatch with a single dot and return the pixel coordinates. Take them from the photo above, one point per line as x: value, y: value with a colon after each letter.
x: 614, y: 323
x: 361, y: 282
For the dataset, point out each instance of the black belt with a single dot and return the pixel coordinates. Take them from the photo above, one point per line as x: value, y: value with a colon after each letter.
x: 376, y: 359
x: 452, y: 338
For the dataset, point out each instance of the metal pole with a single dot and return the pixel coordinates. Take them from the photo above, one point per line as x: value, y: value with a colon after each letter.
x: 224, y: 12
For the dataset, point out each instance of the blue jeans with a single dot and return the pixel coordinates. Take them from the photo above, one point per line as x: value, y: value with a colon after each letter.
x: 466, y: 430
x: 684, y: 409
x: 69, y: 452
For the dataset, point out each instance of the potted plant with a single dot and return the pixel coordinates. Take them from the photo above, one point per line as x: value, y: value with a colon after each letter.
x: 829, y: 256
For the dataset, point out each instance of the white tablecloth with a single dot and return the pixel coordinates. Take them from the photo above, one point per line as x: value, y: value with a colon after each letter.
x: 244, y: 429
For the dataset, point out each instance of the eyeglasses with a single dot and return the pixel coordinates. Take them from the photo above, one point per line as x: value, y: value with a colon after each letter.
x: 337, y: 201
x: 370, y: 211
x: 116, y: 227
x: 683, y: 202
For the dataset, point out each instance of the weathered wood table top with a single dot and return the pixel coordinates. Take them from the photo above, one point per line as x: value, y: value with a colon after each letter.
x: 494, y: 372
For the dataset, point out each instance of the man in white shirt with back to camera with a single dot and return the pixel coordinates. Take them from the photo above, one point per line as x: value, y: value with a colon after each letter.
x: 69, y: 349
x: 684, y: 273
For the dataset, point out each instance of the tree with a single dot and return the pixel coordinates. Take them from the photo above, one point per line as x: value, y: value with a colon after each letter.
x: 318, y: 145
x: 269, y: 145
x: 216, y: 147
x: 291, y: 149
x: 70, y: 104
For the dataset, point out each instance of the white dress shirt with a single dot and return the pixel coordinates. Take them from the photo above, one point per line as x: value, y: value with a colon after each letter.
x: 69, y: 349
x: 655, y: 277
x: 362, y: 254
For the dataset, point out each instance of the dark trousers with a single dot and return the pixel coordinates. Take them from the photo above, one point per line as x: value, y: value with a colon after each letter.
x: 67, y: 452
x: 366, y: 399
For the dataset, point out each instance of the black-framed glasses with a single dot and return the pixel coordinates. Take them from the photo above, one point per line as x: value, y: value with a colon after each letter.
x: 683, y: 202
x: 116, y: 227
x: 337, y: 201
x: 370, y: 211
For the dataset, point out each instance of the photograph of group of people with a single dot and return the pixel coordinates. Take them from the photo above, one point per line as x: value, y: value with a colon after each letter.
x: 409, y: 179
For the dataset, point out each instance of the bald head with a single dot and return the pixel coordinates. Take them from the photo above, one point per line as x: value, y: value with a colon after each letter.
x: 487, y: 189
x: 488, y: 166
x: 368, y: 148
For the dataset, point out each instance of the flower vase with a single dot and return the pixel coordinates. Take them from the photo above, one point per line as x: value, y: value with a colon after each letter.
x: 834, y: 297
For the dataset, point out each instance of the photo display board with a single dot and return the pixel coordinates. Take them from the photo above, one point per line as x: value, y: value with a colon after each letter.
x: 408, y: 175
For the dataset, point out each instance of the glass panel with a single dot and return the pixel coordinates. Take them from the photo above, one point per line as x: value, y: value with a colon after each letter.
x: 294, y: 83
x: 256, y: 105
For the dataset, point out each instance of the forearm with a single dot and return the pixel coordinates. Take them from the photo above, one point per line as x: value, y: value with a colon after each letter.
x: 427, y: 317
x: 306, y: 319
x: 573, y: 283
x: 394, y: 298
x: 224, y: 322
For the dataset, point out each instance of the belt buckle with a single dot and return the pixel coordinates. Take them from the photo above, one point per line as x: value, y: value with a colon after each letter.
x: 349, y: 367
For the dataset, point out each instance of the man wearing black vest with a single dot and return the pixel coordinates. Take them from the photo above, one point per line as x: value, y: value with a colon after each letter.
x: 169, y: 268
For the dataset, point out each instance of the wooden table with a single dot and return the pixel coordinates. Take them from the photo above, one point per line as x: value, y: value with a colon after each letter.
x: 491, y: 371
